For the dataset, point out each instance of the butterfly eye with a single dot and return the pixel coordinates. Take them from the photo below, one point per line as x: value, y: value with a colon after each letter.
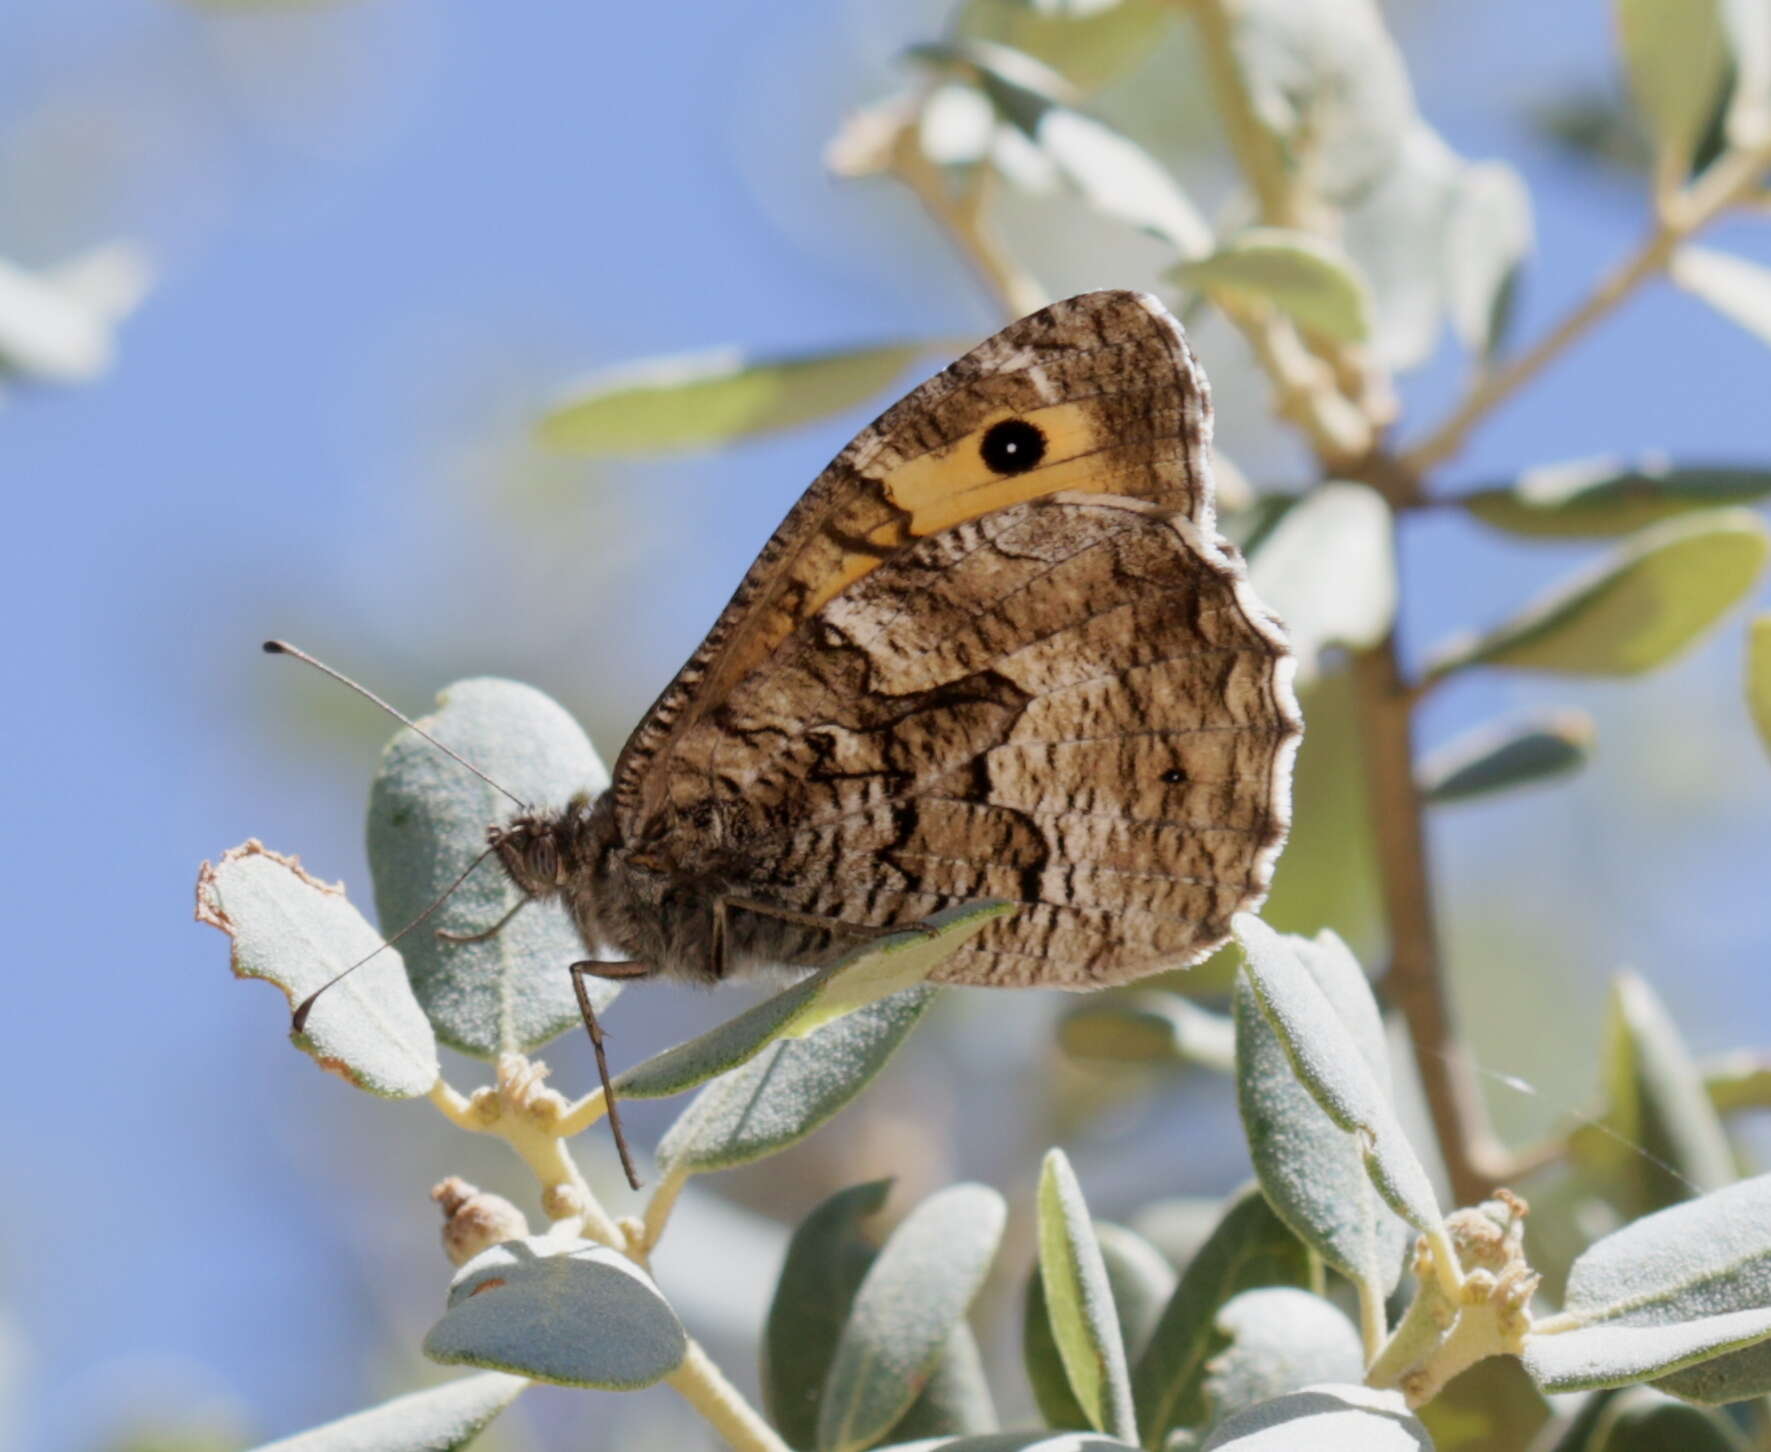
x: 1174, y: 776
x: 1013, y: 446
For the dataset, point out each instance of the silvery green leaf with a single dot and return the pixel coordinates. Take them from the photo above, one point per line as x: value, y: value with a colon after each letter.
x: 826, y: 1260
x: 1736, y: 288
x: 1602, y: 498
x: 1329, y: 83
x: 1661, y: 1140
x: 914, y: 1294
x: 1675, y: 54
x: 1328, y: 570
x: 1309, y: 280
x: 437, y: 1419
x: 1398, y: 232
x: 1089, y: 41
x: 1499, y: 757
x: 825, y: 1264
x: 1275, y: 1341
x: 955, y: 1400
x: 1644, y: 1420
x: 1251, y: 1247
x: 790, y: 1088
x: 1147, y: 1028
x: 1639, y: 609
x: 562, y: 1311
x: 1112, y: 173
x: 1615, y: 1353
x: 1043, y: 1363
x: 866, y: 974
x: 1079, y: 1302
x: 1314, y: 1172
x: 1324, y: 1419
x: 1487, y: 1407
x: 1179, y: 1226
x: 1672, y: 1290
x: 1141, y: 1279
x: 703, y: 400
x: 1758, y: 675
x: 1326, y: 1054
x: 427, y: 823
x: 1488, y: 238
x: 299, y: 933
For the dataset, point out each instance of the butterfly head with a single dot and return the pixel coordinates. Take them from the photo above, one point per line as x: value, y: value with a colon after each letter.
x: 541, y: 853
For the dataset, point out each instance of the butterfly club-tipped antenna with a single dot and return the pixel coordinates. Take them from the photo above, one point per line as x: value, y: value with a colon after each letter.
x: 592, y: 1027
x: 282, y: 647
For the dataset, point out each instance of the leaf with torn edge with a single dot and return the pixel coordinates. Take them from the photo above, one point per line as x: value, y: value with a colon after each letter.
x: 299, y: 933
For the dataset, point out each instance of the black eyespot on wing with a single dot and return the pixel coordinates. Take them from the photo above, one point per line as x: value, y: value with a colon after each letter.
x: 1174, y: 776
x: 1013, y: 446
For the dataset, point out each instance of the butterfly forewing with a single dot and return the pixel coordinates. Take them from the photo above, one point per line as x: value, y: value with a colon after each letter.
x: 1105, y: 377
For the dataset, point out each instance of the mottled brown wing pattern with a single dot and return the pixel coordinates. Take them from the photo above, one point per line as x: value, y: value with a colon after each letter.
x: 1106, y: 378
x: 1074, y: 703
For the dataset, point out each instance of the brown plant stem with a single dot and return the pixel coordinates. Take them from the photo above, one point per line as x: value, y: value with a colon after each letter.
x: 1416, y: 982
x: 1732, y: 180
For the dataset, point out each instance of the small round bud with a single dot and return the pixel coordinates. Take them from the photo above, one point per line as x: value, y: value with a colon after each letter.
x: 562, y: 1202
x: 474, y: 1220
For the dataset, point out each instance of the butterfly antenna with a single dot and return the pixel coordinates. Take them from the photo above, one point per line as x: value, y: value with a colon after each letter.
x: 282, y: 647
x: 306, y: 1005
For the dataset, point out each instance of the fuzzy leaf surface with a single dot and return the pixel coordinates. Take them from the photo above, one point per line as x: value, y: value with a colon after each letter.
x: 299, y: 933
x: 1512, y: 754
x: 437, y: 1419
x: 1661, y: 1136
x: 1079, y: 1302
x: 1348, y: 1418
x: 1148, y: 1028
x: 427, y: 822
x: 1328, y: 570
x: 1275, y: 1341
x: 561, y: 1311
x: 704, y: 400
x: 1640, y: 609
x: 913, y: 1295
x: 1312, y: 282
x: 1605, y: 498
x: 1250, y: 1248
x: 864, y: 976
x: 1644, y: 1420
x: 1676, y: 57
x: 1312, y: 1169
x: 794, y: 1085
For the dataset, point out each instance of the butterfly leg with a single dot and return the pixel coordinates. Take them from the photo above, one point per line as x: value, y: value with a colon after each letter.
x: 581, y: 971
x: 864, y: 931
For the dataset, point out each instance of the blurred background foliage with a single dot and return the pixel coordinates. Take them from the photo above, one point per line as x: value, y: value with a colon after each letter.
x: 285, y: 290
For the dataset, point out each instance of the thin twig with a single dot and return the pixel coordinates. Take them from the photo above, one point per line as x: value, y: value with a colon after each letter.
x: 706, y: 1389
x: 1416, y: 981
x: 1732, y: 179
x: 962, y: 218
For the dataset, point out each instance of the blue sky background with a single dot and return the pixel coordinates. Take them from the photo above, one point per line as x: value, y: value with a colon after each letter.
x: 388, y: 232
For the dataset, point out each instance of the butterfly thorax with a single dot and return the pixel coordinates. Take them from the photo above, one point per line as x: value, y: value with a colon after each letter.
x: 632, y: 896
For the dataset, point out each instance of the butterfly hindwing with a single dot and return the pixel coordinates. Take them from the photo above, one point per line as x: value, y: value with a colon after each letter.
x: 1074, y: 703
